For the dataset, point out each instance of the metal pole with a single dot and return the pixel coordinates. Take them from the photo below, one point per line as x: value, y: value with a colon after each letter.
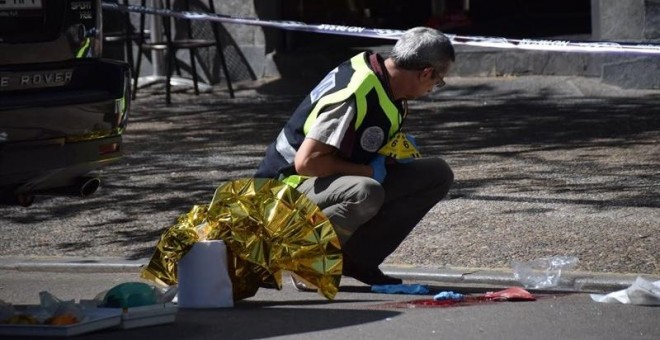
x: 157, y: 35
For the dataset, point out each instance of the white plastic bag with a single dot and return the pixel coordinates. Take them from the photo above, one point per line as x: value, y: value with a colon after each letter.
x: 203, y: 277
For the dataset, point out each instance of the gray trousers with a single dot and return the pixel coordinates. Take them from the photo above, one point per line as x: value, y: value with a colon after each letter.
x: 370, y: 219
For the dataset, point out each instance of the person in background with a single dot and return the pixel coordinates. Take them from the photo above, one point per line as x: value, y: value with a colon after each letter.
x: 332, y: 150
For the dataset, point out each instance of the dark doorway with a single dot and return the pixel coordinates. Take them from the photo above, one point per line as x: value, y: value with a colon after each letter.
x: 505, y: 18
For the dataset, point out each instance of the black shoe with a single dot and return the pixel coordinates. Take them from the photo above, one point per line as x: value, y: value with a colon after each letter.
x: 371, y: 277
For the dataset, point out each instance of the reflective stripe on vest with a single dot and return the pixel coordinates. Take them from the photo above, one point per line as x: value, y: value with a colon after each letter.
x: 284, y: 148
x: 294, y: 180
x: 82, y: 51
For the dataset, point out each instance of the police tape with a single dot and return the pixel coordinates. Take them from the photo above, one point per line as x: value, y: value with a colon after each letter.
x: 391, y: 34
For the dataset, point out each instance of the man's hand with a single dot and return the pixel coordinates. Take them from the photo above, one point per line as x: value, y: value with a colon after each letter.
x: 378, y: 171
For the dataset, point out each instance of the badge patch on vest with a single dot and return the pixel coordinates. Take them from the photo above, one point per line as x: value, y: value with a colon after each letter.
x: 327, y: 84
x: 372, y: 138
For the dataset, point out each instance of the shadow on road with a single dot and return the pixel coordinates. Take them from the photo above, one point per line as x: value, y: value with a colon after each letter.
x: 535, y: 147
x: 250, y: 323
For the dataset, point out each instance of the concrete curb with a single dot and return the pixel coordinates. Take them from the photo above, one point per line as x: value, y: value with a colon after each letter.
x: 500, y: 277
x: 475, y: 278
x: 73, y: 264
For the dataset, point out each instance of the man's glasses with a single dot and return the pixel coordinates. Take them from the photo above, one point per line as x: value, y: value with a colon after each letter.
x: 440, y: 82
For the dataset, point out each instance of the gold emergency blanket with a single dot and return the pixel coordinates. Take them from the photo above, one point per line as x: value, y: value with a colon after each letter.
x: 268, y: 227
x: 399, y: 147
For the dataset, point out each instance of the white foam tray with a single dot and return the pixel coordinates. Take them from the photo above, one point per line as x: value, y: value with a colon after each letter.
x: 152, y: 315
x: 94, y: 320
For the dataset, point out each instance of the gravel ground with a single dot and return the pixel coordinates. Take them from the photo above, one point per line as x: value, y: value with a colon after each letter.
x: 544, y: 166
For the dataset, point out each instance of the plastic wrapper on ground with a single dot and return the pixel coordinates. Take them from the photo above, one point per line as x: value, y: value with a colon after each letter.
x: 543, y: 272
x: 641, y: 292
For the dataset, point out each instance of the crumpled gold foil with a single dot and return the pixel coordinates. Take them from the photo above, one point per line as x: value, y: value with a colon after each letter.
x: 268, y: 227
x: 399, y: 147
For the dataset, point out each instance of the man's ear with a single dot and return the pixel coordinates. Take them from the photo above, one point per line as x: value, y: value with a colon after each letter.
x: 428, y: 72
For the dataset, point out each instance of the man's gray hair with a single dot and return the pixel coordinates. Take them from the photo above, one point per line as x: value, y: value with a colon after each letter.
x: 422, y: 47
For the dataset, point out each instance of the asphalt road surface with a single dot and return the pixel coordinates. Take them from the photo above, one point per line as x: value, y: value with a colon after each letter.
x: 356, y: 313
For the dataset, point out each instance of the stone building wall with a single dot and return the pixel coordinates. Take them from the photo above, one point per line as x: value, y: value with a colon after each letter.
x: 251, y: 39
x: 629, y: 21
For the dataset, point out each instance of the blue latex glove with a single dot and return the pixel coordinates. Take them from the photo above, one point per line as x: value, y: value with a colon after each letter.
x: 378, y: 168
x: 412, y: 139
x: 448, y: 295
x: 414, y: 143
x: 400, y: 289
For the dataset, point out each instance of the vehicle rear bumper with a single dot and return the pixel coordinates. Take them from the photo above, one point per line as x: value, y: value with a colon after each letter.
x: 53, y: 163
x: 52, y: 134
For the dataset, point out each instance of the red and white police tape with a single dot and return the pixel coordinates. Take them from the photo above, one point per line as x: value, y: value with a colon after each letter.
x: 494, y: 42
